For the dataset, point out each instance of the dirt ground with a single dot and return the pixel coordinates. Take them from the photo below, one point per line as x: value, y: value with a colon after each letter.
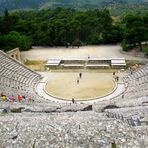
x: 42, y: 54
x: 105, y: 51
x: 36, y: 65
x: 91, y: 85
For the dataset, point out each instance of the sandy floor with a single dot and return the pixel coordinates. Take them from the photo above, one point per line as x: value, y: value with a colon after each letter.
x: 91, y: 85
x: 42, y: 53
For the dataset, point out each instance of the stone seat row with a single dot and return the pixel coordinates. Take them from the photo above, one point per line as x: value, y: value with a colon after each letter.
x: 136, y: 84
x: 134, y: 112
x: 137, y: 74
x: 15, y: 78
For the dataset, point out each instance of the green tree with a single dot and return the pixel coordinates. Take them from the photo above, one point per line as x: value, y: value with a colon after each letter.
x: 61, y: 26
x: 74, y: 30
x: 135, y: 30
x: 1, y: 41
x: 114, y: 35
x: 6, y: 22
x: 145, y: 19
x: 14, y: 39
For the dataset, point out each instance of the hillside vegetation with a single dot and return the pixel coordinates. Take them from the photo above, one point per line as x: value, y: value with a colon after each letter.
x: 117, y: 7
x: 65, y: 26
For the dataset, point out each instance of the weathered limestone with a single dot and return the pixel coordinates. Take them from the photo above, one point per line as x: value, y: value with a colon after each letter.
x: 44, y: 123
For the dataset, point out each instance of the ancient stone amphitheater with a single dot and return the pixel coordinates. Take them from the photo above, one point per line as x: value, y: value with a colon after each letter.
x: 120, y: 122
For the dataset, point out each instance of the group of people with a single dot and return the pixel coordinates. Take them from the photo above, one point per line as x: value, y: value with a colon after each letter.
x: 12, y: 98
x: 78, y: 79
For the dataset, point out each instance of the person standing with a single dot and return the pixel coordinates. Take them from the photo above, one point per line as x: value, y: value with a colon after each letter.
x: 117, y: 78
x: 73, y: 101
x: 77, y: 81
x: 80, y: 75
x: 19, y: 98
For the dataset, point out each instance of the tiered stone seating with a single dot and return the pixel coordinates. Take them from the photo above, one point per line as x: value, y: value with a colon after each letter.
x: 131, y: 112
x: 132, y: 105
x: 71, y: 130
x: 137, y: 84
x: 15, y: 78
x: 52, y: 124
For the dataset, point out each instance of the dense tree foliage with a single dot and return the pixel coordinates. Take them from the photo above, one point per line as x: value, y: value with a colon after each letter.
x: 10, y: 39
x: 13, y: 39
x: 65, y: 26
x: 61, y: 26
x: 135, y: 31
